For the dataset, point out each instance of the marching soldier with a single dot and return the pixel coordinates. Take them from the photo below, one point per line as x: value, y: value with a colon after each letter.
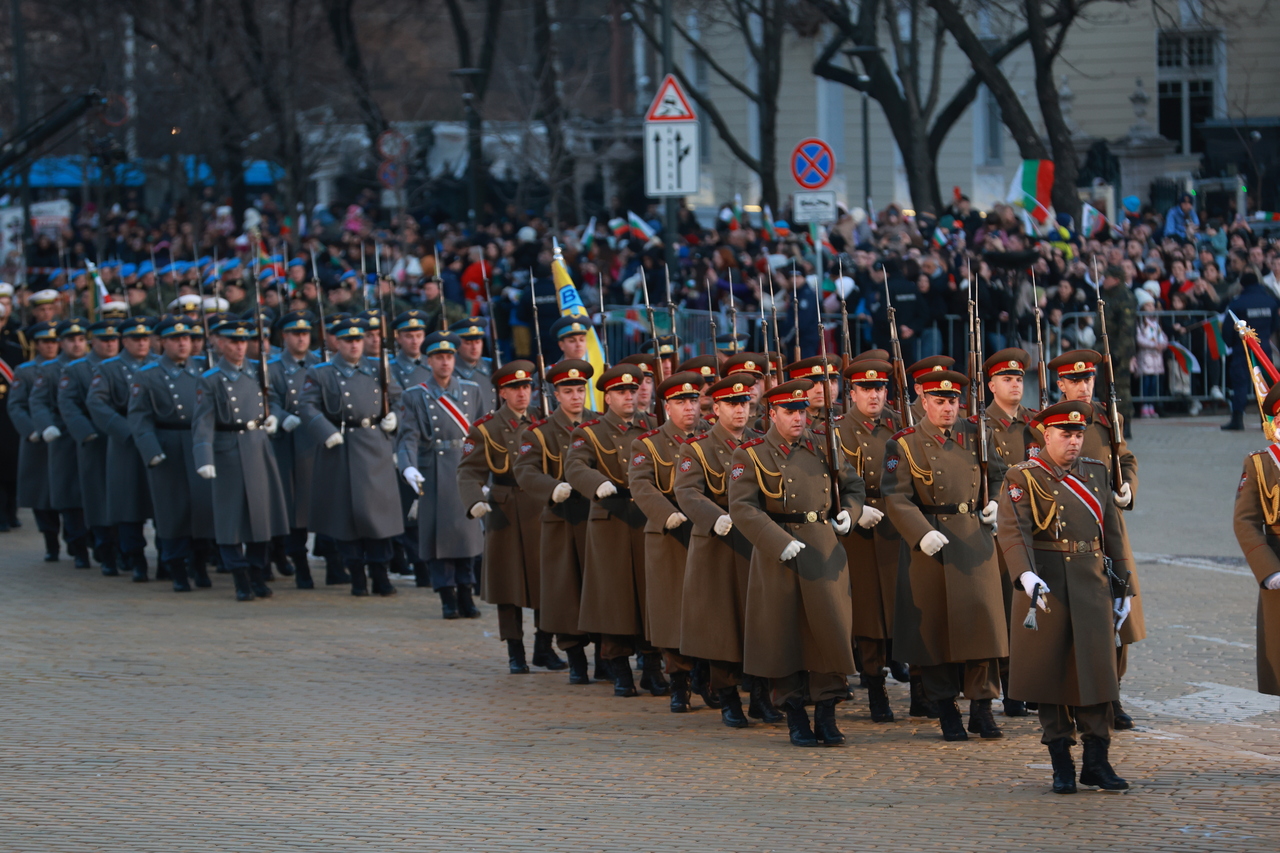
x: 33, y: 452
x: 570, y: 333
x: 435, y: 416
x: 128, y: 494
x: 472, y: 364
x: 410, y: 368
x: 540, y: 472
x: 10, y: 441
x: 918, y: 371
x: 162, y: 407
x: 347, y: 414
x: 799, y: 619
x: 813, y: 369
x: 1068, y: 555
x: 231, y: 446
x: 948, y: 609
x: 1257, y: 526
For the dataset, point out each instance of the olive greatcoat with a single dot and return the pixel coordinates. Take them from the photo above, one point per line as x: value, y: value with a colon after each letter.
x: 128, y: 492
x: 799, y: 616
x: 63, y: 466
x: 1045, y: 528
x: 1257, y: 527
x: 91, y: 444
x: 713, y: 609
x: 295, y: 449
x: 1009, y: 437
x: 948, y: 608
x: 33, y: 456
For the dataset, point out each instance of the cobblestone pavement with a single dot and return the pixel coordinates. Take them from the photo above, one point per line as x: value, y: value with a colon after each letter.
x: 137, y: 719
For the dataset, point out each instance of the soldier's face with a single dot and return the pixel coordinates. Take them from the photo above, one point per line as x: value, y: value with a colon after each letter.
x: 1063, y: 445
x: 733, y: 415
x: 373, y: 343
x: 572, y: 398
x: 410, y: 341
x: 574, y: 346
x: 1076, y: 389
x: 177, y: 348
x: 472, y: 348
x: 869, y: 400
x: 233, y: 350
x: 621, y: 401
x: 789, y: 422
x: 74, y: 345
x: 941, y: 411
x: 1007, y: 390
x: 818, y: 395
x: 297, y: 343
x: 47, y: 349
x: 682, y: 412
x: 351, y: 348
x: 441, y: 365
x: 517, y: 397
x: 106, y: 347
x: 44, y: 313
x: 645, y: 395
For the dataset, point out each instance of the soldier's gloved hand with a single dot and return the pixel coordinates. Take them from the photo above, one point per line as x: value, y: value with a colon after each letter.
x: 561, y: 493
x: 1029, y: 581
x: 35, y: 436
x: 1121, y: 607
x: 388, y: 423
x: 932, y: 542
x: 51, y: 433
x: 414, y: 478
x: 606, y: 489
x: 479, y: 509
x: 791, y: 551
x: 290, y: 423
x: 988, y: 514
x: 207, y: 471
x: 723, y: 525
x: 333, y: 441
x: 870, y: 517
x: 842, y: 522
x: 675, y: 520
x: 1124, y: 497
x: 1272, y: 582
x: 271, y: 424
x: 156, y: 460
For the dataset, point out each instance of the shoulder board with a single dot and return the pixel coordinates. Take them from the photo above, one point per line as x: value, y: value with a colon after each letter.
x: 590, y: 423
x: 482, y: 419
x: 273, y: 359
x: 148, y: 366
x: 1092, y: 460
x: 697, y: 437
x: 752, y: 443
x: 1022, y: 466
x: 902, y: 432
x: 109, y: 360
x: 468, y: 382
x: 537, y: 423
x: 1256, y: 453
x: 651, y: 433
x: 818, y: 429
x: 838, y: 418
x: 32, y: 363
x: 322, y: 364
x: 973, y: 419
x: 210, y: 372
x: 78, y: 360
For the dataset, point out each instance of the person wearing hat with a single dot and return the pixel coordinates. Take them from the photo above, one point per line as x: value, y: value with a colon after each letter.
x: 410, y: 368
x: 730, y: 344
x: 33, y: 452
x: 647, y: 364
x: 755, y: 364
x: 128, y: 496
x: 570, y: 333
x: 91, y: 449
x: 613, y: 580
x: 1122, y: 334
x: 1257, y: 305
x: 471, y: 363
x: 668, y: 349
x: 708, y: 369
x: 64, y: 474
x: 295, y: 451
x: 1058, y: 533
x: 814, y: 368
x: 162, y: 405
x: 714, y: 602
x: 948, y: 609
x: 539, y: 471
x: 355, y: 502
x: 435, y: 415
x: 231, y: 446
x: 114, y: 309
x: 799, y: 614
x: 874, y: 545
x: 43, y: 305
x: 487, y: 484
x: 10, y: 441
x: 917, y: 372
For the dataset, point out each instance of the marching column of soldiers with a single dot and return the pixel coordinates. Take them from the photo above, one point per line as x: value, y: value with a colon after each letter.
x: 715, y: 528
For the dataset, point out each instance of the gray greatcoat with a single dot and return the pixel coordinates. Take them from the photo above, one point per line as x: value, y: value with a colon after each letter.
x: 160, y: 417
x: 248, y: 500
x: 128, y: 492
x: 410, y: 372
x: 295, y: 449
x: 354, y: 496
x: 33, y: 456
x: 480, y: 373
x: 63, y: 466
x: 91, y: 444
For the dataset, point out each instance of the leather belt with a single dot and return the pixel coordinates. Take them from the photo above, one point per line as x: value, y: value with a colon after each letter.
x: 874, y: 493
x: 249, y: 427
x: 504, y: 481
x: 1067, y: 546
x: 363, y: 423
x: 962, y: 508
x: 799, y: 517
x: 178, y: 425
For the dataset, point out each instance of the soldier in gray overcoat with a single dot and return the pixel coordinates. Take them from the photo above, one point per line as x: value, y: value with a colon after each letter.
x: 33, y: 453
x: 472, y: 364
x: 231, y: 445
x: 128, y: 493
x: 410, y: 369
x: 349, y: 414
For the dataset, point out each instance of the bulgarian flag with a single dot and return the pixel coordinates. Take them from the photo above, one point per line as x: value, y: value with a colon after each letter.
x: 733, y: 214
x: 1213, y: 338
x: 638, y: 227
x: 571, y: 305
x: 99, y: 294
x: 942, y: 231
x: 766, y: 224
x: 619, y: 228
x: 589, y: 237
x: 1184, y: 358
x: 1032, y: 188
x: 1090, y: 220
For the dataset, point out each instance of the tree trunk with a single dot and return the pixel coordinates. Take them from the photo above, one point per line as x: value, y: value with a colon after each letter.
x: 551, y: 110
x: 343, y: 28
x: 1044, y: 50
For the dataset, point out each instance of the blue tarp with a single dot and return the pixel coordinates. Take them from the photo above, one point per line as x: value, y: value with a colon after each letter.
x: 69, y: 172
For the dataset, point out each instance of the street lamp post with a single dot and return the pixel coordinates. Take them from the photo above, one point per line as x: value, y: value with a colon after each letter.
x: 475, y: 157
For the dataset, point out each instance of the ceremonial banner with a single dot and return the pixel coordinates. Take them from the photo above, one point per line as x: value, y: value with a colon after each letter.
x: 571, y: 305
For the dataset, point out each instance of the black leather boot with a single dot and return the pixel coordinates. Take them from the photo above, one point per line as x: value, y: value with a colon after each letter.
x: 920, y: 706
x: 302, y: 572
x: 399, y: 563
x: 51, y: 546
x: 545, y: 656
x: 178, y: 574
x: 199, y: 572
x: 731, y: 708
x: 359, y: 584
x: 515, y: 657
x: 651, y: 677
x: 334, y: 572
x: 878, y: 700
x: 279, y: 559
x: 79, y: 550
x: 700, y: 683
x: 1123, y: 722
x: 1236, y: 423
x: 798, y: 725
x: 900, y: 671
x: 950, y: 721
x: 761, y: 706
x: 380, y: 581
x: 258, y: 581
x: 466, y: 604
x: 421, y: 575
x: 623, y: 682
x: 137, y: 562
x: 681, y: 694
x: 1096, y: 769
x: 981, y: 722
x: 577, y: 665
x: 109, y: 561
x: 824, y: 723
x: 448, y: 602
x: 1015, y: 708
x: 1064, y: 769
x: 244, y: 591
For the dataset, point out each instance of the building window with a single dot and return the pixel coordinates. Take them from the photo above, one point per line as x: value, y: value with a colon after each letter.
x: 1190, y: 73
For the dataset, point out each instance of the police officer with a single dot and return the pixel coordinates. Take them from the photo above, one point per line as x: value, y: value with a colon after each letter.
x: 231, y: 446
x: 33, y: 452
x: 162, y: 407
x: 128, y: 493
x: 1258, y: 306
x: 472, y: 364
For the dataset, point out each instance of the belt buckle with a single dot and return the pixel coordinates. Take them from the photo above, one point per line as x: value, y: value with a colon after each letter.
x: 811, y: 516
x: 1081, y: 546
x: 251, y: 425
x: 364, y: 422
x: 963, y: 507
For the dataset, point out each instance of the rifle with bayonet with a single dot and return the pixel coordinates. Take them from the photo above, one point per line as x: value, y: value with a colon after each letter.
x: 828, y: 412
x: 899, y: 366
x: 1116, y: 437
x: 657, y: 348
x: 315, y: 274
x: 1042, y: 374
x: 977, y: 393
x: 488, y: 301
x: 264, y: 383
x: 543, y: 389
x: 384, y: 359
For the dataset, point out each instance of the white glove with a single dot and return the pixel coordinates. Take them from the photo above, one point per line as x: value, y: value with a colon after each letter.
x: 414, y: 478
x: 290, y: 423
x: 484, y: 490
x: 388, y: 423
x: 790, y: 552
x: 870, y: 516
x: 90, y: 438
x: 606, y: 489
x: 561, y: 493
x: 1121, y: 607
x: 412, y: 514
x: 35, y: 436
x: 1272, y: 582
x: 1029, y: 581
x: 843, y: 521
x: 271, y: 424
x: 479, y: 509
x: 723, y: 525
x: 675, y: 520
x: 156, y: 460
x: 988, y: 514
x: 1124, y: 497
x: 932, y: 542
x: 207, y: 471
x: 333, y: 441
x: 51, y: 433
